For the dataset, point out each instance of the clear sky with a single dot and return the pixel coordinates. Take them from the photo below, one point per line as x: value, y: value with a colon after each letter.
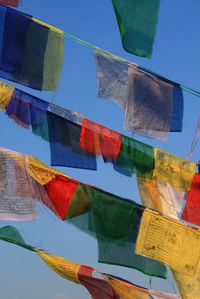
x: 176, y: 56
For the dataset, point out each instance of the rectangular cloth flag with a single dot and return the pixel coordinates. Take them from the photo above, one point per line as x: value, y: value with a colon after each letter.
x: 144, y: 95
x: 74, y: 117
x: 99, y: 140
x: 17, y: 193
x: 189, y: 286
x: 137, y: 21
x: 10, y: 2
x: 114, y: 222
x: 170, y: 242
x: 30, y: 52
x: 99, y: 285
x: 64, y: 139
x: 62, y: 134
x: 191, y: 212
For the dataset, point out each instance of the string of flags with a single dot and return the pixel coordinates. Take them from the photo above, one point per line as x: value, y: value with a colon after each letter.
x: 145, y: 237
x: 99, y: 285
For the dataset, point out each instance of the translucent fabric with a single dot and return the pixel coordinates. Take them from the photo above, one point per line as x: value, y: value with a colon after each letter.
x: 173, y: 170
x: 189, y: 286
x: 126, y: 290
x: 124, y: 255
x: 149, y: 105
x: 114, y: 222
x: 22, y: 108
x: 99, y: 140
x: 64, y: 138
x: 60, y: 190
x: 98, y: 288
x: 38, y: 51
x: 161, y: 295
x: 137, y: 21
x: 135, y: 157
x: 170, y: 242
x: 106, y: 216
x: 74, y: 117
x: 112, y: 78
x: 40, y: 172
x: 191, y: 212
x: 153, y: 104
x: 62, y: 267
x: 6, y: 92
x: 11, y: 234
x: 17, y: 194
x: 10, y: 2
x: 160, y: 196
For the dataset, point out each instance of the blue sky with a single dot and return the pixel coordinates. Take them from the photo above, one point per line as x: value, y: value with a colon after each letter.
x: 176, y: 56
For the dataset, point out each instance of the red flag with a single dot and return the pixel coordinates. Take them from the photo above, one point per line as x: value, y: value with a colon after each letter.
x: 98, y: 288
x: 10, y: 2
x: 60, y: 191
x: 96, y: 139
x: 191, y: 213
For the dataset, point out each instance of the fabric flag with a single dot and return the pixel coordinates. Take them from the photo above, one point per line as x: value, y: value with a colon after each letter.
x: 170, y: 242
x: 6, y: 92
x: 191, y: 212
x: 38, y: 50
x: 61, y: 190
x: 10, y: 2
x: 149, y: 105
x: 22, y: 108
x: 17, y: 193
x: 135, y: 157
x: 126, y: 290
x: 11, y: 235
x: 98, y: 288
x: 62, y: 134
x: 153, y: 104
x: 174, y: 170
x: 108, y: 288
x: 161, y: 295
x: 189, y: 286
x: 137, y: 21
x: 161, y: 196
x: 74, y: 117
x: 114, y: 222
x: 96, y: 139
x: 64, y: 139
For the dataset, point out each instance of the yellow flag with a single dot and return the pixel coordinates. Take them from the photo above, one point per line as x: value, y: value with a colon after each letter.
x: 61, y: 266
x: 125, y: 290
x: 6, y: 92
x: 170, y: 242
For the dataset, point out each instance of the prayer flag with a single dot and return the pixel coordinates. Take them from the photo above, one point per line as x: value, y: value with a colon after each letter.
x: 170, y: 242
x: 31, y: 53
x: 153, y: 105
x: 135, y: 157
x: 191, y: 212
x: 137, y: 21
x: 64, y: 138
x: 98, y: 288
x: 96, y: 139
x: 10, y: 2
x: 189, y: 286
x: 17, y: 193
x: 126, y: 290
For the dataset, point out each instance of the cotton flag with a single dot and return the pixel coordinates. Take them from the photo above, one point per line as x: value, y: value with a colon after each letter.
x: 191, y: 212
x: 31, y: 53
x: 17, y: 189
x: 153, y: 105
x: 170, y: 242
x: 10, y: 2
x: 137, y: 21
x: 99, y: 285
